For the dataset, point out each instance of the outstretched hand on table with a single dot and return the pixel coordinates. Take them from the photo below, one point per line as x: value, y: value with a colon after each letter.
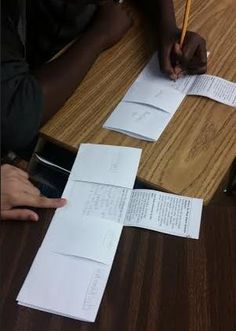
x: 18, y: 195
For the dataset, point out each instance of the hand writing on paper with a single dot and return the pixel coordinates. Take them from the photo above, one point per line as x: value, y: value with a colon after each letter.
x: 191, y: 59
x: 18, y: 191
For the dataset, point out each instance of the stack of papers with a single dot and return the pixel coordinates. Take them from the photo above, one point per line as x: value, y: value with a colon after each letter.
x: 152, y: 100
x: 70, y: 271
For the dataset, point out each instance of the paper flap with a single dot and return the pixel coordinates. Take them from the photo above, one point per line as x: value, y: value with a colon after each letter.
x: 155, y: 95
x: 94, y: 239
x: 105, y: 164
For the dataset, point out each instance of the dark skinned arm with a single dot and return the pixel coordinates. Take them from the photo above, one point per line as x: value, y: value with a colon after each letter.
x: 60, y: 77
x: 192, y: 58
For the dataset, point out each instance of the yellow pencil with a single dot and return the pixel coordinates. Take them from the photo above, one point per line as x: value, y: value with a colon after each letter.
x: 185, y: 21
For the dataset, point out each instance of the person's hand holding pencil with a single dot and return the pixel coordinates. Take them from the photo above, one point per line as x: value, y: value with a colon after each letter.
x: 180, y: 52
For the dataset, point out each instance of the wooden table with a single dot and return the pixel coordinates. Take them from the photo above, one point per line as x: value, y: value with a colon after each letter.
x: 195, y: 151
x: 157, y: 282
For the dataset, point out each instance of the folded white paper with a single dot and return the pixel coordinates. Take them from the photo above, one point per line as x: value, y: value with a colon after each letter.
x: 95, y: 239
x: 64, y: 285
x: 89, y: 200
x: 71, y: 269
x: 164, y: 212
x: 209, y: 86
x: 138, y: 120
x: 104, y: 164
x: 165, y: 98
x: 140, y: 113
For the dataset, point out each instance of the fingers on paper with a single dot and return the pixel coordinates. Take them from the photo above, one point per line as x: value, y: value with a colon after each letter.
x: 165, y: 60
x: 38, y: 201
x: 194, y: 54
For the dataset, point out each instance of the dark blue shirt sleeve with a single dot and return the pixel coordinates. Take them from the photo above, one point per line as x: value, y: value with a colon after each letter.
x: 21, y: 105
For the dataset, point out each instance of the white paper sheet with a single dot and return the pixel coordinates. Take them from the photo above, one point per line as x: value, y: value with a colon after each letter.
x: 64, y: 285
x: 49, y: 163
x: 164, y: 212
x: 138, y: 120
x: 70, y: 271
x: 89, y: 200
x: 166, y: 99
x: 95, y: 239
x: 90, y: 224
x: 105, y: 164
x: 215, y: 88
x: 139, y: 112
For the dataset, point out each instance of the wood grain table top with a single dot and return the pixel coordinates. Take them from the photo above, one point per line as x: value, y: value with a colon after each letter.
x: 198, y: 146
x: 157, y: 281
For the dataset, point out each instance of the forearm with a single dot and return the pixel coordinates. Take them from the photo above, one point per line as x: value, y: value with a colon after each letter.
x: 174, y: 61
x: 166, y: 14
x: 161, y: 13
x: 60, y: 77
